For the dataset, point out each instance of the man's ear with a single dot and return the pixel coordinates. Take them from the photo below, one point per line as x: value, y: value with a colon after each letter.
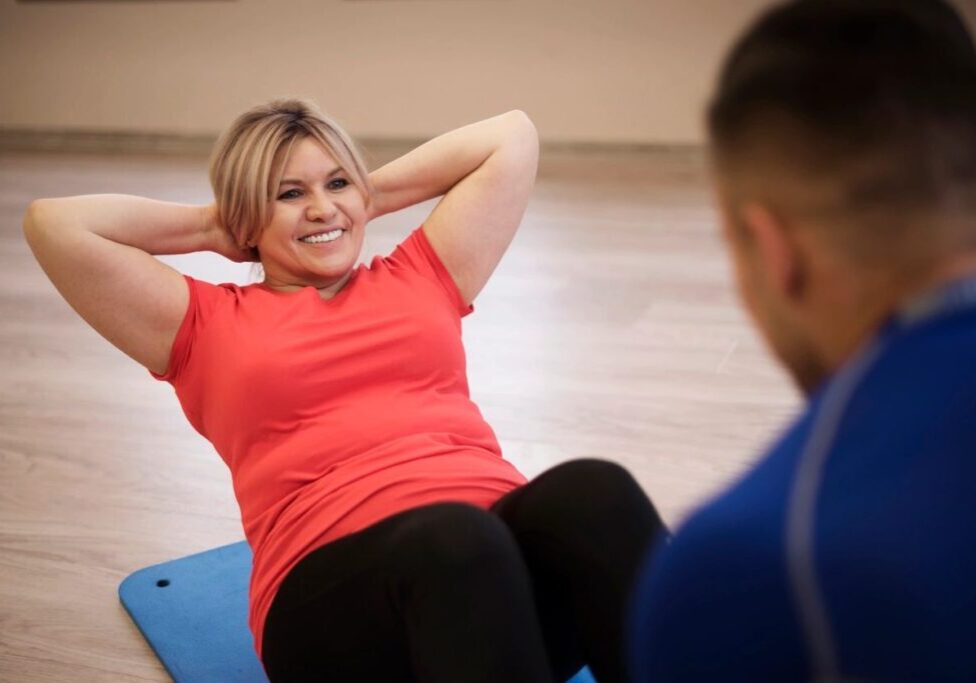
x: 781, y: 259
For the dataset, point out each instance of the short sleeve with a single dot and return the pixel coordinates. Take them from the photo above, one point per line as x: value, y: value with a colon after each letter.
x: 202, y: 300
x: 416, y: 253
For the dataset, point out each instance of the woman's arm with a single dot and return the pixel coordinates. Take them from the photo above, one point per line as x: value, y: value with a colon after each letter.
x: 487, y: 170
x: 97, y: 250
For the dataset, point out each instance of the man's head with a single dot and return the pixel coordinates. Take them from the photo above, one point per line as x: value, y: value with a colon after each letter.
x: 843, y: 142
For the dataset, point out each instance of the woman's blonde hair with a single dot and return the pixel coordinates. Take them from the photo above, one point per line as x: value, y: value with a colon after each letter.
x: 250, y: 156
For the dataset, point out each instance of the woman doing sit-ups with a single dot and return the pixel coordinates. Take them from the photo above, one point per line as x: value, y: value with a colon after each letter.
x: 391, y: 540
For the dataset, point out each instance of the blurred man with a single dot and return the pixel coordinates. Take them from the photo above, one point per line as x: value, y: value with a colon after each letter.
x: 843, y: 141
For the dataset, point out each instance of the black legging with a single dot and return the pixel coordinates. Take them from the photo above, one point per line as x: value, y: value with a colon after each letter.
x: 530, y: 591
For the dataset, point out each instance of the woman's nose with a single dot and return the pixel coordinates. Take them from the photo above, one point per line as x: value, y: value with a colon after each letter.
x: 320, y: 209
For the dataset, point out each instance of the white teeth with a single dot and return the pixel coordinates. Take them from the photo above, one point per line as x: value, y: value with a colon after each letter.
x: 322, y: 237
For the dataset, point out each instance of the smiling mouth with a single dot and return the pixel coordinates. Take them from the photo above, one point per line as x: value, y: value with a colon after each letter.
x: 322, y: 237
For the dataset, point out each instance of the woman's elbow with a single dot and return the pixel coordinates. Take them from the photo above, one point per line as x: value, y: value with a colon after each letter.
x: 522, y: 140
x: 522, y: 125
x: 38, y: 217
x: 32, y: 217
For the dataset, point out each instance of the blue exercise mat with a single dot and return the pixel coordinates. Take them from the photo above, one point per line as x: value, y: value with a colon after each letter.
x: 193, y: 612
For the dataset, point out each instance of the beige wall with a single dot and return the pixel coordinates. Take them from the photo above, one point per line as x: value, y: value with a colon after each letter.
x: 633, y: 71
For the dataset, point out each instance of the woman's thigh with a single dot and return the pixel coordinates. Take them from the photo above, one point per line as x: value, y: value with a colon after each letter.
x: 332, y: 618
x: 437, y: 593
x: 583, y: 528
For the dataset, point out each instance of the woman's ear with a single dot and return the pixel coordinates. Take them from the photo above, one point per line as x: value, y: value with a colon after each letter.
x: 781, y: 259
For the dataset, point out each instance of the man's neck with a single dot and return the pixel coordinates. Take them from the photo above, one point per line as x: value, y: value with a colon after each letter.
x: 862, y: 306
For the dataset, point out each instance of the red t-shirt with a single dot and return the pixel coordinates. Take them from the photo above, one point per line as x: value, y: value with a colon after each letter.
x: 334, y: 414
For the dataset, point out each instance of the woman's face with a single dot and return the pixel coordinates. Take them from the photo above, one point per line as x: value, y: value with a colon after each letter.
x: 316, y: 229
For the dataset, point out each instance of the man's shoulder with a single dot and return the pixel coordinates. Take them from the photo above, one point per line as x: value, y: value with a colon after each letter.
x: 714, y: 602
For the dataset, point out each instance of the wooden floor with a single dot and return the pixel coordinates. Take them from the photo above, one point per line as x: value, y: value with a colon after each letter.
x: 610, y: 329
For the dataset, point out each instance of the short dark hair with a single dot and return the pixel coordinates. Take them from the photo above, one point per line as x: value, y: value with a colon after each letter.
x: 880, y: 95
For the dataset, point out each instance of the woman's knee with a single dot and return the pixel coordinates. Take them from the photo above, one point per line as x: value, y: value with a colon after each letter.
x: 586, y: 488
x: 452, y: 538
x: 592, y: 474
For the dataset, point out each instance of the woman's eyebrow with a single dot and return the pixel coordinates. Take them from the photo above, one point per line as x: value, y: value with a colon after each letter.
x: 296, y: 181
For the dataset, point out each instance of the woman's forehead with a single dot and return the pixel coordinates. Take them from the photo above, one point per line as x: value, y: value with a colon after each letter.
x: 308, y: 158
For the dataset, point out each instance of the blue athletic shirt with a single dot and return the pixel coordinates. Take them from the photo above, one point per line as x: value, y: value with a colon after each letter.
x: 849, y: 552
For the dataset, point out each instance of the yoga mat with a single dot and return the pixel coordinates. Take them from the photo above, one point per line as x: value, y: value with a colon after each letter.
x: 193, y: 613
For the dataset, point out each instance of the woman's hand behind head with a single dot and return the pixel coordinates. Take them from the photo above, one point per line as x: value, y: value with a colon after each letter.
x: 220, y: 240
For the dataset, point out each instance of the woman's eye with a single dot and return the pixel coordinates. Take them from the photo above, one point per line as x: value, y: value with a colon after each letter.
x: 338, y: 184
x: 290, y: 194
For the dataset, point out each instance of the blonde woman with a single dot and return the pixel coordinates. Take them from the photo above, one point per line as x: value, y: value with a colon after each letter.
x: 391, y: 540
